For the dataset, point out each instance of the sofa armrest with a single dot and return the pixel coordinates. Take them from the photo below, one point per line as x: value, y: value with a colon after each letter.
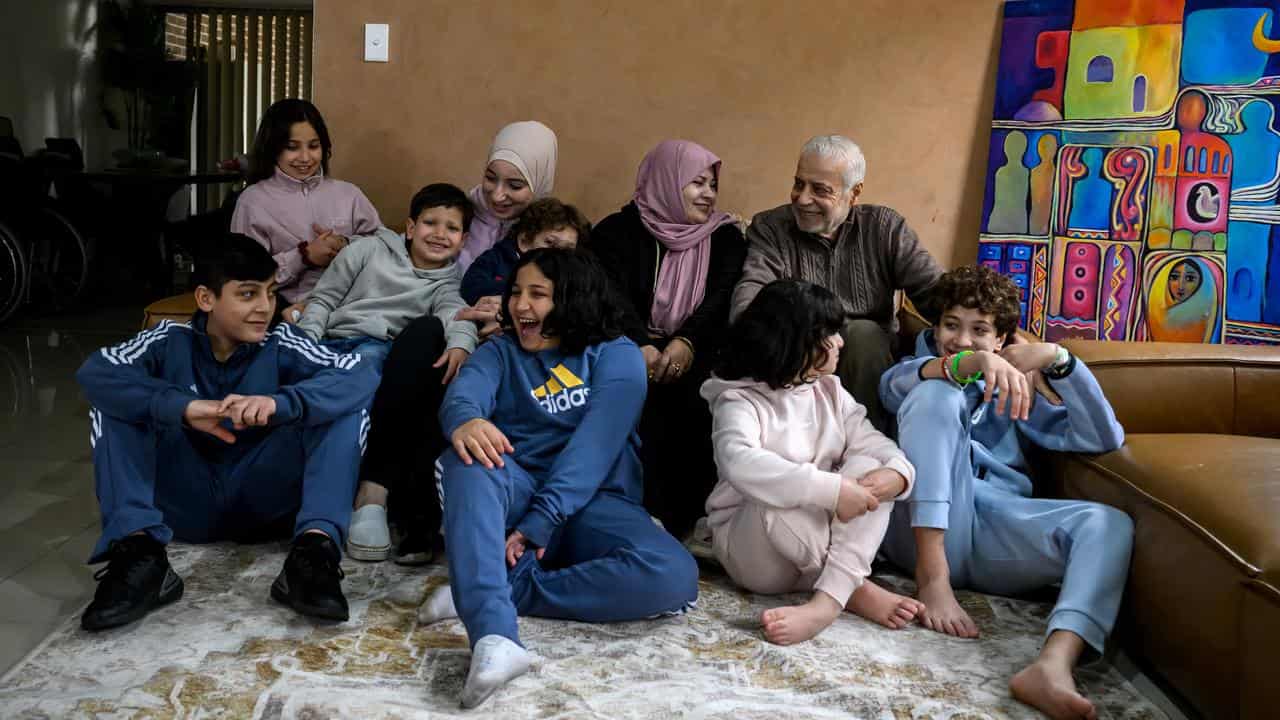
x: 1158, y: 387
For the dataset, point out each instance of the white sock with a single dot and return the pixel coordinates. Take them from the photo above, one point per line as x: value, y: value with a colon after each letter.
x: 438, y: 606
x: 495, y: 661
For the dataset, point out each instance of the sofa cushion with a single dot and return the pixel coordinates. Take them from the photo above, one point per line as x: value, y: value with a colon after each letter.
x: 1225, y: 488
x: 1187, y: 388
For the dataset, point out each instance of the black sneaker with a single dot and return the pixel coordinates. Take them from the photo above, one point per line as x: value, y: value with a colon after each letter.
x: 136, y: 580
x: 311, y: 579
x: 415, y: 549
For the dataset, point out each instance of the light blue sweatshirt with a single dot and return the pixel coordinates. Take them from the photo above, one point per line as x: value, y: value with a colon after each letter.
x: 1084, y: 422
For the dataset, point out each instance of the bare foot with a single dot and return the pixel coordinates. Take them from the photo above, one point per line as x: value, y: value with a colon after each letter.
x: 1049, y: 687
x: 941, y: 611
x: 797, y: 623
x: 878, y: 605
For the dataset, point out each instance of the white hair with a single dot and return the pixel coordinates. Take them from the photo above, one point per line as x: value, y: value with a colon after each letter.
x: 839, y: 147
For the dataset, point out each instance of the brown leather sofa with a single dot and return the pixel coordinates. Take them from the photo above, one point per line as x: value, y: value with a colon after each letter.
x: 1200, y: 476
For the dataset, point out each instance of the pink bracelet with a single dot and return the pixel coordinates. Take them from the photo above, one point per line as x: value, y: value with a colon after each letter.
x: 946, y: 370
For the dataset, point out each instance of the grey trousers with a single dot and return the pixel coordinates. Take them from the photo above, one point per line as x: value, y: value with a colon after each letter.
x: 867, y: 353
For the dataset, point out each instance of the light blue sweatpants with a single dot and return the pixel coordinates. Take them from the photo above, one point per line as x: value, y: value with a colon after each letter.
x: 1000, y: 542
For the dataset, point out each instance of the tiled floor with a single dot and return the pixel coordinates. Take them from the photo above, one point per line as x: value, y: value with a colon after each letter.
x: 48, y: 514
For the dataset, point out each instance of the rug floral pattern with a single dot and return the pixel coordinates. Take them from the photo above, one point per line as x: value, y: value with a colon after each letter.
x: 226, y: 651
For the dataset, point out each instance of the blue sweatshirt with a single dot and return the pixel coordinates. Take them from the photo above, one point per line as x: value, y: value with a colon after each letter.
x: 1084, y: 422
x: 488, y: 274
x: 154, y: 376
x: 571, y: 419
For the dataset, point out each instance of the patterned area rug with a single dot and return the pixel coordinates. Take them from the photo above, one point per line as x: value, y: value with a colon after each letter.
x: 226, y: 651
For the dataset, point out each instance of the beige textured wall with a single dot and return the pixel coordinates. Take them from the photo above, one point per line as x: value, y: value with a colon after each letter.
x: 911, y: 80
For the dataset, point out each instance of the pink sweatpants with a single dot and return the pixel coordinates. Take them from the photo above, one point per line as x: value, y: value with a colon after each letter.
x: 771, y: 551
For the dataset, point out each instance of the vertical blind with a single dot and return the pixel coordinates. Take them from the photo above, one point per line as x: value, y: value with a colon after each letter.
x: 245, y: 60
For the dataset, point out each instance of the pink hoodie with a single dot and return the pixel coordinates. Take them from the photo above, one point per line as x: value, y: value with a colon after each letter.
x: 789, y: 448
x: 278, y: 212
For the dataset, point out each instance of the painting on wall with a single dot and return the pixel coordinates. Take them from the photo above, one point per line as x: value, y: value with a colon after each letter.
x: 1133, y: 182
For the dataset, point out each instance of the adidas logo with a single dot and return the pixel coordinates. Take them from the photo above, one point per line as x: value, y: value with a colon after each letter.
x: 562, y: 391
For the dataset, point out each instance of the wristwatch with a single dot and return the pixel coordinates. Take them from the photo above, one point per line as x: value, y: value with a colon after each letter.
x: 1063, y: 363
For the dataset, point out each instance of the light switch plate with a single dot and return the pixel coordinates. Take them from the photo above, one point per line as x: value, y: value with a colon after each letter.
x: 376, y: 38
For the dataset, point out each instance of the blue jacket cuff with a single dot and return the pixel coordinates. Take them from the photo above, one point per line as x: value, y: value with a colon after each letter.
x: 537, y: 527
x: 168, y: 406
x: 286, y: 410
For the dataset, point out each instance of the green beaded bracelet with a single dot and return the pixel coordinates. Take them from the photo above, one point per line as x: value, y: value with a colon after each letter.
x: 955, y: 369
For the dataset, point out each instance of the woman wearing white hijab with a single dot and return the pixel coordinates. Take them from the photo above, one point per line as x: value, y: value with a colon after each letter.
x: 521, y: 169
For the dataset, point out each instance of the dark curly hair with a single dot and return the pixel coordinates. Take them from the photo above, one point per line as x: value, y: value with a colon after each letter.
x: 273, y: 136
x: 980, y: 288
x: 551, y: 214
x: 781, y: 333
x: 586, y: 309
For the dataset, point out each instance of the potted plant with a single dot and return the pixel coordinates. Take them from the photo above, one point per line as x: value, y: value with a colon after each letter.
x: 145, y: 92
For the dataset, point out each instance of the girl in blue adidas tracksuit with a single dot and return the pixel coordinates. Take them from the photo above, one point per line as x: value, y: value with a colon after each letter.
x: 542, y: 492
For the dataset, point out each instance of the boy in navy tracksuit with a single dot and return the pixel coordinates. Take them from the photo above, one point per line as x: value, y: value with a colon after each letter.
x: 542, y: 490
x: 218, y: 430
x: 967, y: 411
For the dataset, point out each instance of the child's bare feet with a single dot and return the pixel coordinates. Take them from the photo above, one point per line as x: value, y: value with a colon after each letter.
x: 797, y: 623
x: 878, y: 605
x: 942, y: 613
x: 1048, y: 686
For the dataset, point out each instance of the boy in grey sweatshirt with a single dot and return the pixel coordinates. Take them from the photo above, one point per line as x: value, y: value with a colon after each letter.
x: 378, y: 285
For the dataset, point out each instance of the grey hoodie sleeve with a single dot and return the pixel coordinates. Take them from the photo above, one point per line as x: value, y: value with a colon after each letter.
x: 333, y: 286
x: 445, y: 304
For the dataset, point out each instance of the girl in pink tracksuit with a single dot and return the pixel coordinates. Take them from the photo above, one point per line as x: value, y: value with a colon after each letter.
x: 806, y: 484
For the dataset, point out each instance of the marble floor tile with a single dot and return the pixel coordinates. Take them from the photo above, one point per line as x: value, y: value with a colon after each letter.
x: 48, y: 510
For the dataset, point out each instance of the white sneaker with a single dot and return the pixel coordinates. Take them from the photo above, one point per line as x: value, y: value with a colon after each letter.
x: 495, y: 661
x: 369, y: 538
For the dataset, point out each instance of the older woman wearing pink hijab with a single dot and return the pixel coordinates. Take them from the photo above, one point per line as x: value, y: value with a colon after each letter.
x: 675, y: 259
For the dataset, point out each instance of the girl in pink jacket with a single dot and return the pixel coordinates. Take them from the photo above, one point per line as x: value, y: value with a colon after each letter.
x: 292, y: 207
x: 806, y: 484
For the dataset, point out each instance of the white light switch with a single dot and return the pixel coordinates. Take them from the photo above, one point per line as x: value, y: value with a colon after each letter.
x: 376, y: 37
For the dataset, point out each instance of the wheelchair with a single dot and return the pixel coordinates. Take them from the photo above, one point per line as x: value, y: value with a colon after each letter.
x: 44, y: 254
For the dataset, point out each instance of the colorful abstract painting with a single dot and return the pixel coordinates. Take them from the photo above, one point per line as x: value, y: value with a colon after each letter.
x: 1133, y: 182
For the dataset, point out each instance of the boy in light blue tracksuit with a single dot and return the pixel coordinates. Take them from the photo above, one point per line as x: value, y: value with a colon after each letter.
x: 967, y: 409
x: 218, y: 429
x: 542, y: 420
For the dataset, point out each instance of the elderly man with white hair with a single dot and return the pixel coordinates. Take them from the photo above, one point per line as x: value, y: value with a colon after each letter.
x: 862, y: 253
